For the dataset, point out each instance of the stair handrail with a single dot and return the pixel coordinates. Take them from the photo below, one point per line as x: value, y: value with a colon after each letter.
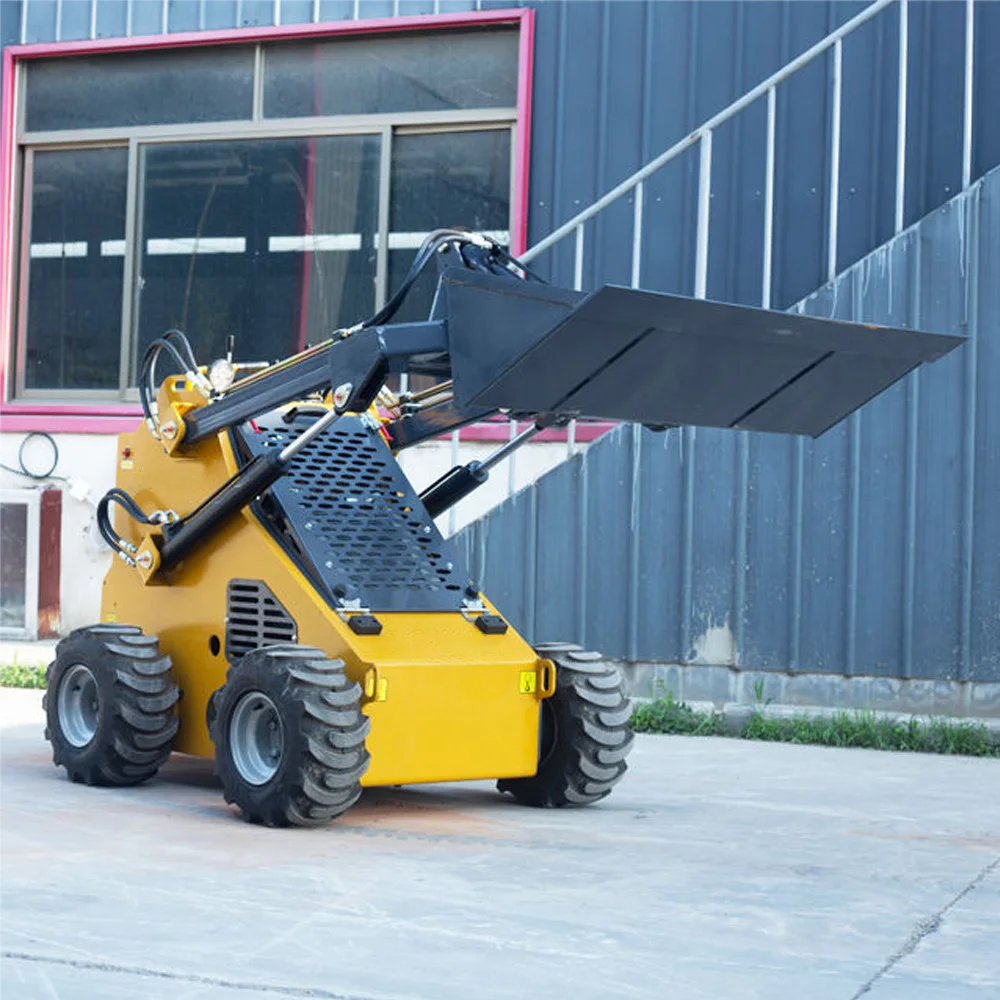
x: 702, y: 136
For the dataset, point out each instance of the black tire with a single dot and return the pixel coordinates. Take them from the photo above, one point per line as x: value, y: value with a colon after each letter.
x: 311, y: 772
x: 110, y: 705
x: 585, y: 733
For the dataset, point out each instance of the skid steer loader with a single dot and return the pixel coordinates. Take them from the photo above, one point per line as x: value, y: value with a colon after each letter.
x: 283, y: 601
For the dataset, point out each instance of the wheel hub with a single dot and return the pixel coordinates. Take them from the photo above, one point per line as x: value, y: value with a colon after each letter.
x: 78, y: 705
x: 256, y: 738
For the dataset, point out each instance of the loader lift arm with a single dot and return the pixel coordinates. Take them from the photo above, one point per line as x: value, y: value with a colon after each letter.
x: 502, y: 340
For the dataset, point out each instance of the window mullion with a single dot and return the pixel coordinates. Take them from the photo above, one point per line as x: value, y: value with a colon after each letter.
x: 130, y: 272
x: 23, y: 272
x: 382, y: 250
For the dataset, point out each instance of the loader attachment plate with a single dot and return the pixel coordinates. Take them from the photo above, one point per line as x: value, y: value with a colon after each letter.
x: 624, y: 354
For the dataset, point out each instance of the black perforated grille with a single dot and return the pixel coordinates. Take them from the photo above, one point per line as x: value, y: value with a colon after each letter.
x: 349, y: 514
x: 254, y: 618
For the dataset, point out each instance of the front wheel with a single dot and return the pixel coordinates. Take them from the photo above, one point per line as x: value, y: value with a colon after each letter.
x: 289, y: 737
x: 585, y: 734
x: 109, y: 705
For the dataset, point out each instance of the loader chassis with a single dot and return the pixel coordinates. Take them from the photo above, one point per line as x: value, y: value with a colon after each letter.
x: 448, y: 702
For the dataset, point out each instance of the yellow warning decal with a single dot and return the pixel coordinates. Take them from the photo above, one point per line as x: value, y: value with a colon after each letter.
x: 528, y: 682
x: 111, y: 617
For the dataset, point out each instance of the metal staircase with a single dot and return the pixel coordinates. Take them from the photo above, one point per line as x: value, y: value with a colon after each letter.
x: 634, y: 187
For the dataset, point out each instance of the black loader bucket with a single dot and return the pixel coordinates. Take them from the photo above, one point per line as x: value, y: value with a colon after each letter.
x: 666, y: 360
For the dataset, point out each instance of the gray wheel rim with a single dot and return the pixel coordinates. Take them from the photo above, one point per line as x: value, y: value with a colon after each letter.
x: 78, y: 705
x: 256, y: 738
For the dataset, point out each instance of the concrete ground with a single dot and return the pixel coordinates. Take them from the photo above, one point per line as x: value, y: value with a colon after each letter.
x: 717, y: 869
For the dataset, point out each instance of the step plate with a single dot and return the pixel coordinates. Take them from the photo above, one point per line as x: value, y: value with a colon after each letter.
x: 651, y: 358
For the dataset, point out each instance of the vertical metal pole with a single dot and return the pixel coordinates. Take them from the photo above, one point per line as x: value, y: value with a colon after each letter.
x: 257, y: 101
x: 382, y: 240
x: 765, y: 291
x: 578, y: 260
x: 904, y: 58
x: 93, y: 19
x: 128, y: 18
x: 578, y: 285
x: 831, y: 247
x: 24, y: 21
x: 130, y: 269
x: 165, y: 17
x: 201, y: 14
x: 315, y: 14
x: 704, y: 216
x: 59, y: 6
x: 637, y: 233
x: 276, y: 13
x: 454, y: 462
x: 512, y: 461
x: 356, y: 14
x: 967, y: 126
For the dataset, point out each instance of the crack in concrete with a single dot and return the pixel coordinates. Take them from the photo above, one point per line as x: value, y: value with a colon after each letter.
x: 924, y: 928
x: 306, y: 992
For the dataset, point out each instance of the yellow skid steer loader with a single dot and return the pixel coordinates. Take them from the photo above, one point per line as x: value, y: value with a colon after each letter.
x: 283, y: 602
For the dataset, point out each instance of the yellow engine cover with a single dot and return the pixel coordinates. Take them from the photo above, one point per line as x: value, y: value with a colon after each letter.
x: 447, y: 703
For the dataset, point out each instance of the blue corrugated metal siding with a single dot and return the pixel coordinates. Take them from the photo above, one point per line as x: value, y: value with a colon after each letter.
x: 616, y: 83
x: 874, y: 550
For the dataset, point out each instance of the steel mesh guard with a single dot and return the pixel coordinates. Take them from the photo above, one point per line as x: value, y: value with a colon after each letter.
x: 353, y: 521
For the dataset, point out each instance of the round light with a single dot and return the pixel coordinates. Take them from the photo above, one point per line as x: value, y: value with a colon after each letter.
x: 221, y: 374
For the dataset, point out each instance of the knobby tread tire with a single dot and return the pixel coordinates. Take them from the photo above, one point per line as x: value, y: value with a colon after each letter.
x: 585, y: 733
x: 136, y: 697
x: 323, y: 755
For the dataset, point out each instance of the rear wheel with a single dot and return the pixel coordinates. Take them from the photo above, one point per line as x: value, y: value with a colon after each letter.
x: 109, y: 705
x: 584, y: 735
x: 289, y: 737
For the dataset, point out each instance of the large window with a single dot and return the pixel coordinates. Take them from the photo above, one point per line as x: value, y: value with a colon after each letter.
x: 269, y: 192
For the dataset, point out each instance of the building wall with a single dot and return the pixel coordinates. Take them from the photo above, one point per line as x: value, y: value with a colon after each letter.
x: 873, y: 550
x: 614, y: 84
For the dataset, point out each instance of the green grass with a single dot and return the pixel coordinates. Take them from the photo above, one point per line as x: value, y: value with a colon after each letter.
x: 16, y: 675
x: 666, y: 714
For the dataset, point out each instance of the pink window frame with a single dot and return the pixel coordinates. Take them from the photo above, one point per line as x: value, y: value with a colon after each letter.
x: 113, y: 418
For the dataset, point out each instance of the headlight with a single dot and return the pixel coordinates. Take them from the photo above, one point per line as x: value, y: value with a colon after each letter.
x: 221, y: 374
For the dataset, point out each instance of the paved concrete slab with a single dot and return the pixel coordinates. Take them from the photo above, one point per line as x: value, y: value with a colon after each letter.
x: 717, y: 869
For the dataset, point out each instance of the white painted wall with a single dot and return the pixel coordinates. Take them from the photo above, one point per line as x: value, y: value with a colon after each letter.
x: 87, y: 464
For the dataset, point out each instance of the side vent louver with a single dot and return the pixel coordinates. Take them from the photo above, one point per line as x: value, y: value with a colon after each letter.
x: 254, y: 618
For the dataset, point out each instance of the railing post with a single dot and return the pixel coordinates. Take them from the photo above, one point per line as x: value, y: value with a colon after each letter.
x: 704, y: 215
x: 637, y: 233
x: 970, y: 17
x: 831, y: 247
x: 512, y: 461
x: 578, y: 285
x: 904, y: 57
x: 765, y: 292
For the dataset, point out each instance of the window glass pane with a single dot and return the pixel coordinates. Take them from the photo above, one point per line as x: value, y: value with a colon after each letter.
x: 75, y: 264
x: 140, y: 88
x: 445, y: 179
x: 271, y: 241
x: 13, y: 568
x: 407, y: 72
